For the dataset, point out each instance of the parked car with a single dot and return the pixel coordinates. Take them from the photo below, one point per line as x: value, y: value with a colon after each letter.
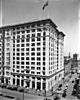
x: 3, y: 85
x: 20, y: 89
x: 64, y: 94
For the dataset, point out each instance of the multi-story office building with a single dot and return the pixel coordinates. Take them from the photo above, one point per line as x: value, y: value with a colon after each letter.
x: 33, y: 54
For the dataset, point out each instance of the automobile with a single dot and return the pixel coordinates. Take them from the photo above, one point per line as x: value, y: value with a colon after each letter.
x: 57, y: 97
x: 3, y: 85
x: 9, y: 86
x: 59, y: 89
x: 66, y: 86
x: 20, y: 89
x: 64, y: 94
x: 14, y: 87
x: 73, y: 81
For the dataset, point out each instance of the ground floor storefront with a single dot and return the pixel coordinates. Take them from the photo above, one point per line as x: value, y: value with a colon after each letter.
x: 35, y: 82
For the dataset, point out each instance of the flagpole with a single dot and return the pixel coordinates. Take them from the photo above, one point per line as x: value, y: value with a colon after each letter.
x: 1, y: 13
x: 48, y: 9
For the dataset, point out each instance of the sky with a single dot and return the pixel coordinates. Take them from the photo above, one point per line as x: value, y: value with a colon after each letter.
x: 64, y: 13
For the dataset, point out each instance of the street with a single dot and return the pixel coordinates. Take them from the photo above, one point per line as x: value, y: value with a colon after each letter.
x: 20, y: 95
x: 36, y: 97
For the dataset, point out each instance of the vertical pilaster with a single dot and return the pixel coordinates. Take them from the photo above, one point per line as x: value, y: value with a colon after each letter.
x: 30, y: 82
x: 35, y: 83
x: 41, y: 84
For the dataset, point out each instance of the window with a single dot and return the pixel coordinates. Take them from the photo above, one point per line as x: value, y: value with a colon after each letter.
x: 38, y: 72
x: 38, y: 39
x: 22, y: 45
x: 22, y: 63
x: 23, y: 36
x: 27, y: 44
x: 32, y: 72
x: 17, y: 62
x: 38, y: 34
x: 13, y: 53
x: 43, y: 68
x: 43, y: 58
x: 33, y: 39
x: 22, y: 49
x: 27, y: 49
x: 38, y: 63
x: 18, y: 49
x: 27, y: 40
x: 13, y: 45
x: 18, y: 32
x: 44, y: 33
x: 44, y: 53
x: 6, y: 49
x: 33, y: 35
x: 18, y: 41
x: 22, y: 58
x: 18, y: 36
x: 38, y: 68
x: 38, y: 49
x: 18, y: 45
x: 33, y: 44
x: 22, y: 54
x: 33, y: 63
x: 44, y: 38
x: 13, y: 62
x: 13, y: 66
x: 32, y: 49
x: 33, y: 30
x: 44, y: 43
x: 14, y: 33
x: 27, y: 54
x: 17, y: 67
x: 28, y: 31
x: 44, y: 28
x: 33, y: 68
x: 8, y: 39
x: 43, y: 63
x: 38, y: 44
x: 22, y: 66
x: 32, y: 53
x: 38, y: 53
x: 8, y: 44
x: 38, y: 58
x: 33, y: 58
x: 18, y: 54
x: 18, y: 58
x: 43, y: 48
x: 39, y: 29
x: 27, y: 63
x: 27, y: 58
x: 22, y: 40
x: 13, y: 37
x: 28, y: 35
x: 23, y: 31
x: 13, y: 58
x: 13, y: 41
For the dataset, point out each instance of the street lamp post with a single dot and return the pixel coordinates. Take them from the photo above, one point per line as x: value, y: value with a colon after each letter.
x: 45, y: 95
x: 25, y: 80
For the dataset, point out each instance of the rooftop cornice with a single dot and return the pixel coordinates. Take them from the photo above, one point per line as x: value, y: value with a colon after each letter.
x: 29, y: 23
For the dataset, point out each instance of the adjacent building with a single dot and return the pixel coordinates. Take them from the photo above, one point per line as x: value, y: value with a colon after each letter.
x: 32, y: 54
x: 75, y: 61
x: 67, y: 65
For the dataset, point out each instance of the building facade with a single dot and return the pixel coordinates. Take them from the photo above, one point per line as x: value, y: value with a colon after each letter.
x: 33, y: 54
x: 75, y: 61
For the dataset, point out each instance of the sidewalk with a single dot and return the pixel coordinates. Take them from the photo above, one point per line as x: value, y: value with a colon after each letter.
x: 49, y: 93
